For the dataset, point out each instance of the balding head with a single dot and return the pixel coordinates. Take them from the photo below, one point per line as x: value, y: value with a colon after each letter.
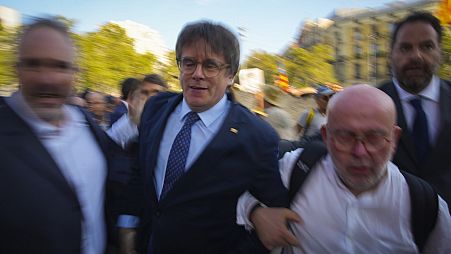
x: 361, y: 135
x: 362, y: 97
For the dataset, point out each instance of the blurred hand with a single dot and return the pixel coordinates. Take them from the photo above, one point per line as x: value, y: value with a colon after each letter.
x: 127, y: 238
x: 136, y: 105
x: 271, y: 225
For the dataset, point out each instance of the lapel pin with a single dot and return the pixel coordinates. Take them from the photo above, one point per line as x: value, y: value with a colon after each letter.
x: 234, y: 130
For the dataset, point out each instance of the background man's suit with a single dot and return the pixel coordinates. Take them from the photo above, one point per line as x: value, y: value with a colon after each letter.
x: 120, y: 110
x: 40, y: 212
x: 436, y: 169
x: 198, y: 214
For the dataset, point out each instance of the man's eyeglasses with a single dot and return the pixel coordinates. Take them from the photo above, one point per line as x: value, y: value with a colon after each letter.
x: 210, y: 67
x: 345, y: 141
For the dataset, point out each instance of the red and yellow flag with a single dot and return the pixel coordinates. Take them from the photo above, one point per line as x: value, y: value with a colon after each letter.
x: 444, y: 12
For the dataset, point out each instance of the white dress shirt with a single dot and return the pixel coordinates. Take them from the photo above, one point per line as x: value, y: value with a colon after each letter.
x: 336, y: 221
x: 430, y: 101
x: 80, y: 160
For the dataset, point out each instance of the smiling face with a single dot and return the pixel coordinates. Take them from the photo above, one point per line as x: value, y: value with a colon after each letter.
x: 201, y: 92
x: 45, y: 70
x: 416, y: 56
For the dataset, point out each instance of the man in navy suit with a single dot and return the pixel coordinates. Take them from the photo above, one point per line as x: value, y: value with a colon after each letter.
x: 229, y: 151
x: 53, y: 157
x: 415, y: 57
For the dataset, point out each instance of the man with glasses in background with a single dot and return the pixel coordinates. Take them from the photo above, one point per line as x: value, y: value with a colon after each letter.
x: 198, y: 152
x: 354, y: 200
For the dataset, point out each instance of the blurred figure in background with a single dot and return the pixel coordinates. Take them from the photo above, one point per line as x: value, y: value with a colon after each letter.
x: 311, y: 121
x: 128, y: 87
x: 97, y: 105
x: 278, y: 118
x: 151, y: 85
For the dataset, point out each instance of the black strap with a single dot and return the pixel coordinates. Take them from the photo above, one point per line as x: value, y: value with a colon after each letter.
x: 311, y: 154
x: 424, y: 206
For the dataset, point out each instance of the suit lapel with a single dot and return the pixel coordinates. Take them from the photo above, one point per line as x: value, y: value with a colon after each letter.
x: 152, y: 139
x: 444, y: 136
x: 224, y: 140
x: 405, y: 141
x: 21, y: 142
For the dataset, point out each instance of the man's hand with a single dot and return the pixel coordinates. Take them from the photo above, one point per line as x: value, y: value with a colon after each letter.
x: 127, y: 238
x: 271, y: 225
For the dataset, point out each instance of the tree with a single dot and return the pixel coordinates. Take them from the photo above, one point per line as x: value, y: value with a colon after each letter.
x: 107, y: 56
x: 266, y: 62
x: 170, y: 71
x: 309, y: 66
x: 8, y: 45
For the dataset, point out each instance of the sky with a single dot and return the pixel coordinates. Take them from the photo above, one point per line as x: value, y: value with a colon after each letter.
x: 269, y: 25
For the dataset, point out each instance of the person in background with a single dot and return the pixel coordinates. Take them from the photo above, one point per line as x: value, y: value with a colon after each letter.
x: 422, y: 100
x: 311, y: 120
x: 128, y: 87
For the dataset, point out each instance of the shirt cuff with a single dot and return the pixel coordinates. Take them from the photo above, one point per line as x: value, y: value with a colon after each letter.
x: 246, y: 204
x: 123, y: 131
x: 127, y: 221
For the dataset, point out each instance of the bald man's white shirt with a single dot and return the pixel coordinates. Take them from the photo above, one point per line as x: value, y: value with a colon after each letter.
x: 336, y: 221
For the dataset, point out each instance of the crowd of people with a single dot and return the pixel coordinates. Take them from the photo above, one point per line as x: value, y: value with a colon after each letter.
x: 197, y: 172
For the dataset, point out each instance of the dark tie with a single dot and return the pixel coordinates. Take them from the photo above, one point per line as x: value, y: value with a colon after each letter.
x: 178, y: 154
x: 420, y: 131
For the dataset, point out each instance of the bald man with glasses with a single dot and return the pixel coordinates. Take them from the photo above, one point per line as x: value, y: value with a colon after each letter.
x: 354, y: 199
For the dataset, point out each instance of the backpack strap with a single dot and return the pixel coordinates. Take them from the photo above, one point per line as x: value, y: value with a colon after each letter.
x: 424, y: 208
x: 311, y: 154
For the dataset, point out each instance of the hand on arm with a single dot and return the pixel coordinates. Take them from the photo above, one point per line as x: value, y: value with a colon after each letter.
x: 271, y: 225
x: 136, y: 105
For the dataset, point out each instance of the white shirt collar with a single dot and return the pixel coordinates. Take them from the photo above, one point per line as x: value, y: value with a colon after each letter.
x: 42, y: 129
x: 207, y: 116
x: 431, y: 92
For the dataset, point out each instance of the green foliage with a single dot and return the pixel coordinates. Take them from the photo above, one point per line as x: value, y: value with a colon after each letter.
x: 445, y: 70
x: 7, y: 56
x: 266, y: 62
x: 170, y: 72
x: 107, y: 57
x: 309, y: 66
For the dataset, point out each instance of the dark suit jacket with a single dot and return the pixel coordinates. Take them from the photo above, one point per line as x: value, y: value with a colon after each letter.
x: 199, y: 214
x: 39, y: 211
x: 118, y: 112
x: 436, y: 168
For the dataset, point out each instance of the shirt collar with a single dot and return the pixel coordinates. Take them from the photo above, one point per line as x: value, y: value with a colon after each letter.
x: 42, y: 129
x: 431, y: 92
x: 208, y: 116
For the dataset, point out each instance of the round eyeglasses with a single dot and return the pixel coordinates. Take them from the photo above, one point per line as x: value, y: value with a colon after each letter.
x: 210, y: 67
x: 373, y: 141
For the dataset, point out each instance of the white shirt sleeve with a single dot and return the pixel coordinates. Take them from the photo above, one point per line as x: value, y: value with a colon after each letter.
x: 440, y: 238
x: 246, y: 201
x: 123, y: 131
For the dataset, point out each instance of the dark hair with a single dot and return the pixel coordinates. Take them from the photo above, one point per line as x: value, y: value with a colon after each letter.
x: 128, y: 86
x: 425, y: 17
x: 155, y: 79
x: 51, y: 23
x: 216, y: 36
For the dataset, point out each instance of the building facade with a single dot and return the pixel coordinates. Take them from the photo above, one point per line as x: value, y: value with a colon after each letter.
x: 361, y: 39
